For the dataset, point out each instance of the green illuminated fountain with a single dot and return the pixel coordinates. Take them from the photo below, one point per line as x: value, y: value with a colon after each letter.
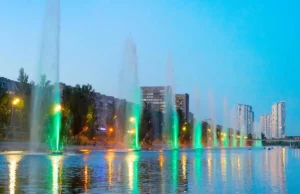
x: 233, y: 126
x: 197, y: 133
x: 257, y: 134
x: 225, y: 125
x: 130, y: 90
x: 171, y: 124
x: 212, y: 120
x: 46, y: 109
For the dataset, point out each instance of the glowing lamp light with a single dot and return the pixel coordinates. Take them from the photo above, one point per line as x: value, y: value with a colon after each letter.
x: 111, y: 129
x: 132, y: 131
x: 131, y: 119
x: 183, y: 128
x: 57, y: 108
x: 16, y: 101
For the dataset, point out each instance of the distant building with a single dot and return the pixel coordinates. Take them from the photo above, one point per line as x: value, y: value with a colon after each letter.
x: 154, y: 95
x: 182, y: 103
x: 9, y: 85
x: 265, y: 125
x: 278, y: 120
x: 191, y: 117
x: 104, y: 107
x: 245, y: 118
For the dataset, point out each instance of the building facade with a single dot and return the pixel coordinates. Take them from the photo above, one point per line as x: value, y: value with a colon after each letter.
x: 154, y: 96
x: 9, y: 85
x: 265, y: 125
x: 245, y: 118
x: 278, y: 120
x: 182, y: 103
x: 105, y: 108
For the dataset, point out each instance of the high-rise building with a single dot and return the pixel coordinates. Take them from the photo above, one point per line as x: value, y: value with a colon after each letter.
x: 104, y: 108
x: 265, y: 125
x: 245, y: 118
x: 278, y: 120
x: 154, y: 96
x: 182, y: 103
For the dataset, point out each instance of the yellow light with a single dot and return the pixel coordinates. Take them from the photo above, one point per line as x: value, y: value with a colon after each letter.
x: 132, y: 131
x: 209, y: 130
x: 57, y: 108
x: 131, y: 119
x: 238, y: 136
x: 16, y: 101
x: 183, y: 128
x: 111, y: 129
x: 245, y: 137
x: 224, y: 134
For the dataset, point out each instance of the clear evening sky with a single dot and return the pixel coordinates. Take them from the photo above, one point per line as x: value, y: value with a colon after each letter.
x: 244, y: 50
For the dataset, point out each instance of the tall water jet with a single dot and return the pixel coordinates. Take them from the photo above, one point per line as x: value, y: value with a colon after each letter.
x: 197, y: 133
x: 46, y: 110
x: 171, y: 125
x: 257, y: 134
x: 213, y: 118
x: 225, y: 123
x: 242, y: 122
x: 233, y: 127
x: 130, y: 90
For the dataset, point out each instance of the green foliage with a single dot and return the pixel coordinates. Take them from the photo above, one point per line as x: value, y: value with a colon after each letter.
x: 80, y: 103
x: 5, y: 109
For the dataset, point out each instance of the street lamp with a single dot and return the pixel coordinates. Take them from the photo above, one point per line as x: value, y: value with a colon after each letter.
x: 14, y: 103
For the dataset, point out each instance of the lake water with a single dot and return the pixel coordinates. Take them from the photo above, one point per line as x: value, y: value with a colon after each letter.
x: 186, y: 171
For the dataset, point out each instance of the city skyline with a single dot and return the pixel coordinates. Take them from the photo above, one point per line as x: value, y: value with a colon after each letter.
x: 223, y: 48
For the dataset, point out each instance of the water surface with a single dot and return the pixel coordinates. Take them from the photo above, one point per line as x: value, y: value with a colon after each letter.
x: 191, y: 171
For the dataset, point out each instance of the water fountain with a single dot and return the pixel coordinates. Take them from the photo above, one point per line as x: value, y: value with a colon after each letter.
x: 46, y: 109
x: 130, y: 90
x: 171, y: 126
x: 197, y: 133
x: 213, y: 118
x: 233, y: 127
x: 225, y: 124
x: 257, y: 134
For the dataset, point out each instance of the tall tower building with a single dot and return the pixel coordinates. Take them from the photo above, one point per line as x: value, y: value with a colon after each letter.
x: 278, y: 120
x: 265, y: 125
x: 245, y: 119
x: 182, y: 103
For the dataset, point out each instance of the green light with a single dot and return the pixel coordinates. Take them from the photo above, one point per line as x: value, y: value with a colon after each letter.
x: 133, y: 173
x: 197, y: 135
x: 225, y: 136
x: 174, y: 170
x: 56, y: 124
x: 175, y: 130
x: 215, y: 140
x: 137, y: 112
x: 234, y: 139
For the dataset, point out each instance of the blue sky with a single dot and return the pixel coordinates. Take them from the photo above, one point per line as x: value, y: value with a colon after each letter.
x: 245, y: 51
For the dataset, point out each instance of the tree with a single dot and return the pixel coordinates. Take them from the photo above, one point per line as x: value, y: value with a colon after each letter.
x: 4, y: 106
x: 82, y: 107
x: 23, y: 85
x: 24, y: 92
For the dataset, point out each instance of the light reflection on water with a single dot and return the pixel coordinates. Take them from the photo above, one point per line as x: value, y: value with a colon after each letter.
x: 189, y: 171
